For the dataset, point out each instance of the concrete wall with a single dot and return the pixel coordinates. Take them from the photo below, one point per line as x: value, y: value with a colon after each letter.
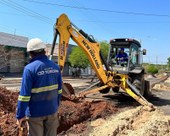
x: 12, y: 59
x: 17, y: 61
x: 4, y: 59
x: 12, y: 53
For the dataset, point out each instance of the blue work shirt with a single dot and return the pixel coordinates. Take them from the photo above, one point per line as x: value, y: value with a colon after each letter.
x: 122, y: 55
x: 41, y: 88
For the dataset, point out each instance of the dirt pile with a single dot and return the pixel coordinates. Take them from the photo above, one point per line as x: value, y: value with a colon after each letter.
x: 73, y: 115
x: 168, y: 80
x: 163, y: 85
x: 135, y: 122
x: 8, y: 101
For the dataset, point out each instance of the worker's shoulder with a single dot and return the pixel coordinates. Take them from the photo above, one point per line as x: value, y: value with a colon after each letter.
x: 31, y: 65
x: 52, y: 63
x: 36, y: 64
x: 55, y: 65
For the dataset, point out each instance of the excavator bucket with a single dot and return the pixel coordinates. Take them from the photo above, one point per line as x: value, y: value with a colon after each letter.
x: 67, y: 92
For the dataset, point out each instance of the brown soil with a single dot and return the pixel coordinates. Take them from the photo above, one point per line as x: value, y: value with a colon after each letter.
x: 73, y: 115
x: 8, y: 101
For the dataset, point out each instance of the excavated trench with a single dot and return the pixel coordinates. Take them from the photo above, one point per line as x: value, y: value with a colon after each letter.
x: 73, y: 115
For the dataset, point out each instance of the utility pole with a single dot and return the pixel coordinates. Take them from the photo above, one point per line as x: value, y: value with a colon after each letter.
x: 149, y: 60
x: 14, y: 31
x: 156, y: 60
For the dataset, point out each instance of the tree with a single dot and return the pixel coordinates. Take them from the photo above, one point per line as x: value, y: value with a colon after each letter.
x: 168, y: 61
x: 104, y: 47
x: 78, y: 59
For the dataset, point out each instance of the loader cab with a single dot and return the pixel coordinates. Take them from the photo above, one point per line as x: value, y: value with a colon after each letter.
x: 132, y: 49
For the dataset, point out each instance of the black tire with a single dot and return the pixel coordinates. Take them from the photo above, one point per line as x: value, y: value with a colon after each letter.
x: 105, y: 91
x: 116, y: 89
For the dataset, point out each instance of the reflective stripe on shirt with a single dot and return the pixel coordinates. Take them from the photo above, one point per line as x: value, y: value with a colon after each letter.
x: 24, y: 98
x: 44, y: 89
x: 60, y: 91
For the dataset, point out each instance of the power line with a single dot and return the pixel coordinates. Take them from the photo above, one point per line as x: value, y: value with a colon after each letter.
x: 48, y: 20
x: 93, y: 21
x: 101, y: 10
x: 10, y: 13
x: 26, y: 11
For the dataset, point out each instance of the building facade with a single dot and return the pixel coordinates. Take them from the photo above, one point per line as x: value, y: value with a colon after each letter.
x: 12, y: 53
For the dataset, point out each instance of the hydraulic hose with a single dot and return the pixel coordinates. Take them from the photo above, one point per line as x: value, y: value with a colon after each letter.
x: 53, y: 44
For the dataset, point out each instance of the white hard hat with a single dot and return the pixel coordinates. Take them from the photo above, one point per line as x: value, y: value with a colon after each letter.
x: 35, y: 44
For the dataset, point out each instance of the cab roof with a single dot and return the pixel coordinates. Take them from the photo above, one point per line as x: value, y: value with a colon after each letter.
x: 124, y: 41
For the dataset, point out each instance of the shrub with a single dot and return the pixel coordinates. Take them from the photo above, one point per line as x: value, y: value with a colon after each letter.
x: 152, y: 69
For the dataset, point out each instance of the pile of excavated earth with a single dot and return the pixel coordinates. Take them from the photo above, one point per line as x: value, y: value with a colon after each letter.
x: 73, y: 115
x: 135, y: 122
x: 163, y: 85
x: 91, y: 118
x: 8, y: 102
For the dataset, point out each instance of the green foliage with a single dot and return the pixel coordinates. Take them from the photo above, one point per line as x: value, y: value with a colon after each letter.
x: 168, y: 60
x: 78, y: 59
x: 168, y: 63
x: 104, y: 47
x: 152, y: 69
x: 161, y: 67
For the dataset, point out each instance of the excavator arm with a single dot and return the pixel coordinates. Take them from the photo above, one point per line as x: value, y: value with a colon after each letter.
x: 108, y: 79
x: 66, y: 30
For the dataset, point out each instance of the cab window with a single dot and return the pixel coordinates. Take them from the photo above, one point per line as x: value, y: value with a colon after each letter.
x: 134, y: 55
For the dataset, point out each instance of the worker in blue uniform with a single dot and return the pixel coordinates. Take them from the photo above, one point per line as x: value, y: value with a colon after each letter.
x: 40, y: 92
x: 122, y: 56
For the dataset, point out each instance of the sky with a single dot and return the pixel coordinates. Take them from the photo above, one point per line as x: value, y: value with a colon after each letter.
x: 146, y: 20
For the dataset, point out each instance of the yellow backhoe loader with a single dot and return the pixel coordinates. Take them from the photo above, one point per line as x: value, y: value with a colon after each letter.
x: 127, y: 76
